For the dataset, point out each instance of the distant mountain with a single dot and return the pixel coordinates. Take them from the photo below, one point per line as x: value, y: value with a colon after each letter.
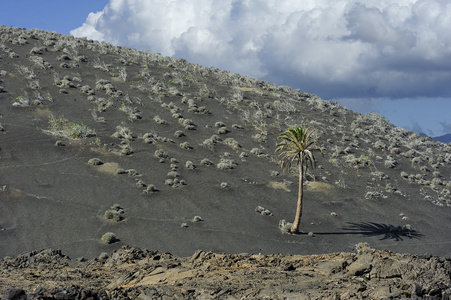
x: 446, y: 138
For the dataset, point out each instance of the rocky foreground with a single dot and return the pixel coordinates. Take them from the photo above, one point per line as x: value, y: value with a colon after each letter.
x: 134, y: 273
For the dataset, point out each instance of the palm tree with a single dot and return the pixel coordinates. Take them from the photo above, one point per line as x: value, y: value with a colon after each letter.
x: 297, y: 147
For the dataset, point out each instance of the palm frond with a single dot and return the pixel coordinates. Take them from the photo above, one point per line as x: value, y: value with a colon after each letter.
x: 296, y: 143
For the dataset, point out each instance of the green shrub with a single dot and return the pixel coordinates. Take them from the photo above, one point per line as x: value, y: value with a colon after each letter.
x: 115, y: 213
x: 109, y: 238
x: 61, y: 127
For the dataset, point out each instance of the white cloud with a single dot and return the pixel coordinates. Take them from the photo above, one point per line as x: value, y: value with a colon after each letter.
x: 88, y: 29
x: 333, y: 48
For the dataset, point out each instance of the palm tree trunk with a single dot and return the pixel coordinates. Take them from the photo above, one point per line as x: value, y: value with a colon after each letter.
x: 297, y: 219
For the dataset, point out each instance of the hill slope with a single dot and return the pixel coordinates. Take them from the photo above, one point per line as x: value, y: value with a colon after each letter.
x: 187, y: 153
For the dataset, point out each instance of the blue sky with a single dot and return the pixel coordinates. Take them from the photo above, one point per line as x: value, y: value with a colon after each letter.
x: 386, y: 56
x: 61, y: 16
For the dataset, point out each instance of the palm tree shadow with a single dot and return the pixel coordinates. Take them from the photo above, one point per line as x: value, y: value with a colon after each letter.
x: 369, y: 229
x: 387, y: 231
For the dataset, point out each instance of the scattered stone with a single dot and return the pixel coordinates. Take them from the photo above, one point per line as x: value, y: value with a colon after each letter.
x: 135, y: 273
x: 263, y: 211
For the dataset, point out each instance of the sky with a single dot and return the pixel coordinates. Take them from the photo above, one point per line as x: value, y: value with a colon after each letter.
x: 384, y: 56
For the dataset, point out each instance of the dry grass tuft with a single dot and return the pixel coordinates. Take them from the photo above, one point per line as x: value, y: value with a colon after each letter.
x: 321, y: 187
x: 108, y: 168
x: 278, y: 186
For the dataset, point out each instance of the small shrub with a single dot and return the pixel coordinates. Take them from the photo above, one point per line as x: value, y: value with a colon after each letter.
x: 126, y: 149
x: 408, y: 154
x: 226, y: 164
x: 206, y: 162
x: 260, y: 138
x: 285, y: 226
x: 223, y: 130
x: 123, y: 133
x: 395, y: 150
x: 121, y: 171
x: 436, y: 174
x: 390, y: 163
x: 114, y: 213
x: 140, y: 183
x: 215, y: 138
x: 159, y: 120
x: 173, y: 174
x: 374, y: 195
x: 62, y: 127
x: 379, y: 145
x: 160, y: 153
x: 363, y: 247
x: 175, y: 183
x: 60, y: 143
x: 256, y: 151
x: 379, y: 175
x: 179, y: 133
x: 149, y: 138
x: 186, y: 146
x: 189, y: 165
x: 197, y: 219
x: 224, y: 185
x: 109, y: 238
x: 232, y: 143
x: 185, y: 122
x: 151, y: 188
x: 132, y: 172
x: 95, y: 162
x: 437, y: 181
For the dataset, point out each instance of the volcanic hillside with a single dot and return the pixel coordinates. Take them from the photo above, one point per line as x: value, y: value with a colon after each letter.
x: 175, y: 157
